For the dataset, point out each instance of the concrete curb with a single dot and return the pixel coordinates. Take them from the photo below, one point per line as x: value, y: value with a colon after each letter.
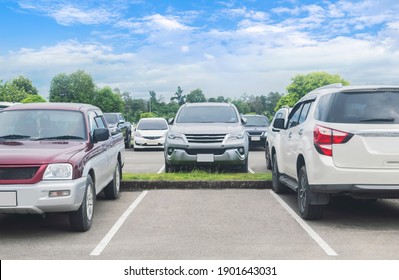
x: 153, y: 185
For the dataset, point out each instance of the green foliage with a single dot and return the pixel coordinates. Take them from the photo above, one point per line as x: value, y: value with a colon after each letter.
x: 33, y: 99
x: 108, y: 100
x: 196, y: 96
x: 179, y: 97
x: 77, y: 87
x: 303, y: 84
x: 147, y: 115
x: 17, y: 89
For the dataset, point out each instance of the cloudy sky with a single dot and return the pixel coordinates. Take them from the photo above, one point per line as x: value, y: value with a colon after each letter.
x: 224, y: 47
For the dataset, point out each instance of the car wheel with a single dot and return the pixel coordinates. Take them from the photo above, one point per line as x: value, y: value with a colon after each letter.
x: 277, y: 186
x: 111, y: 191
x: 244, y: 167
x: 168, y: 168
x: 267, y: 155
x: 307, y: 210
x: 128, y: 139
x: 82, y: 219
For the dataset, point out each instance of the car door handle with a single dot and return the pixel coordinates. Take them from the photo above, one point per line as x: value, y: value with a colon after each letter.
x: 300, y: 132
x: 289, y: 135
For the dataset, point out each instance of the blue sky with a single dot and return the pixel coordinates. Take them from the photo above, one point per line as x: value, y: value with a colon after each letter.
x: 224, y: 47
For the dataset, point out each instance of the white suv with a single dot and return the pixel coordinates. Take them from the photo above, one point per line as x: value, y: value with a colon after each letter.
x: 339, y: 140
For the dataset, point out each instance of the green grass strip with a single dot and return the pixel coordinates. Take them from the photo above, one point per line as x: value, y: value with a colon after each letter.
x: 197, y: 175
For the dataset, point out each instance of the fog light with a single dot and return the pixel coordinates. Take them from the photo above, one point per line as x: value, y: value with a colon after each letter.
x: 59, y: 193
x: 170, y: 151
x: 241, y: 150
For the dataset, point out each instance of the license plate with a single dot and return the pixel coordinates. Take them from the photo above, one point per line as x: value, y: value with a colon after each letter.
x: 8, y: 199
x: 152, y: 143
x: 255, y: 138
x: 205, y: 158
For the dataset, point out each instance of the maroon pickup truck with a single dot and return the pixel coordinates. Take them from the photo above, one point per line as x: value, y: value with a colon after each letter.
x: 56, y: 157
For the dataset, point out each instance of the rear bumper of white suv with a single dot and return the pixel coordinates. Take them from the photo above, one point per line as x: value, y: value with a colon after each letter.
x: 359, y: 191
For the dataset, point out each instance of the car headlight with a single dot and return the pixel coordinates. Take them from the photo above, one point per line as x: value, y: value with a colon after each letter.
x: 239, y: 135
x: 137, y: 134
x: 58, y: 171
x: 174, y: 135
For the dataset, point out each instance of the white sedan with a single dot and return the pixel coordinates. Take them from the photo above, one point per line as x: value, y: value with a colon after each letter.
x: 150, y: 133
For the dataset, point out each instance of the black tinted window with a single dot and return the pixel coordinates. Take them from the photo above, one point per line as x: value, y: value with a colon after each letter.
x: 365, y: 107
x: 293, y: 119
x: 256, y: 120
x: 207, y: 114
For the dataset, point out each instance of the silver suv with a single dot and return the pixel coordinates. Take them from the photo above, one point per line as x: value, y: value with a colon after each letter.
x: 339, y: 140
x: 206, y: 134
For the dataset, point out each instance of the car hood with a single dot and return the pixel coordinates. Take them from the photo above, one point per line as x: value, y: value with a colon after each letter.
x: 208, y: 128
x: 38, y: 152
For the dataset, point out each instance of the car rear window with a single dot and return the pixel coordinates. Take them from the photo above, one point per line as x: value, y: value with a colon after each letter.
x: 207, y: 114
x: 256, y: 120
x: 360, y: 107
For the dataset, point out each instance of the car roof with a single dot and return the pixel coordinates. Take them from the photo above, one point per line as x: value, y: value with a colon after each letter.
x: 52, y: 106
x: 152, y: 119
x: 199, y: 104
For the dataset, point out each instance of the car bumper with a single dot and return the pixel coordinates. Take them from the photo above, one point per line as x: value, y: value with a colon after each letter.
x: 230, y: 156
x: 359, y: 191
x: 35, y: 199
x: 143, y: 143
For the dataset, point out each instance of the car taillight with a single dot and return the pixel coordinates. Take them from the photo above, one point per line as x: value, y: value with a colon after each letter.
x: 325, y: 137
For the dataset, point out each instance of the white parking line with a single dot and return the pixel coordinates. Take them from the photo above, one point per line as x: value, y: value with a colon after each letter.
x: 251, y: 171
x: 107, y: 238
x: 327, y: 249
x: 161, y: 170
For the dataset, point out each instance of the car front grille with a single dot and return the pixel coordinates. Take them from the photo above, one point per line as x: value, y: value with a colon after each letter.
x: 152, y: 137
x: 205, y: 138
x: 255, y: 133
x: 205, y: 151
x: 18, y: 173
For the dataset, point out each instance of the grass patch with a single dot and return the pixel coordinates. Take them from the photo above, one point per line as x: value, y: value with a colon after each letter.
x: 198, y: 175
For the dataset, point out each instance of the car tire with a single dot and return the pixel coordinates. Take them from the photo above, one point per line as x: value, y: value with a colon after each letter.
x: 267, y: 156
x: 112, y: 190
x: 277, y: 186
x: 244, y: 167
x: 306, y: 210
x: 82, y: 218
x: 168, y: 168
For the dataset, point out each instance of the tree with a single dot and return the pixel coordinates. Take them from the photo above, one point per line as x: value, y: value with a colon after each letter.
x: 302, y: 84
x: 179, y: 97
x: 31, y: 98
x: 17, y: 89
x: 196, y: 96
x: 77, y: 87
x: 108, y: 101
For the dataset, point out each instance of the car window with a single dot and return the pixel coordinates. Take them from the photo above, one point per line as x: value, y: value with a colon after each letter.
x: 293, y: 119
x: 365, y: 107
x: 111, y: 118
x: 256, y: 120
x: 305, y: 111
x: 152, y: 125
x: 207, y: 114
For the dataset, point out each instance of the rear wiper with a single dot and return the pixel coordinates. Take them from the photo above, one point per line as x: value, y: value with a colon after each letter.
x: 14, y: 136
x: 61, y: 137
x: 379, y: 120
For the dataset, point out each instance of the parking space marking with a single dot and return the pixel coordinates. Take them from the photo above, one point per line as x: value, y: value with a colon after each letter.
x: 251, y: 171
x: 316, y: 237
x: 107, y: 238
x: 161, y: 170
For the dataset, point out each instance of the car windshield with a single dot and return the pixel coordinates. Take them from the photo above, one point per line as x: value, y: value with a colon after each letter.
x: 256, y: 120
x: 42, y: 124
x: 362, y: 107
x: 207, y: 114
x: 152, y: 125
x: 111, y: 118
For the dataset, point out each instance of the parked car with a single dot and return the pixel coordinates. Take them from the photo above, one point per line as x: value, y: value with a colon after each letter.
x: 282, y: 113
x: 256, y: 127
x: 206, y: 134
x: 339, y: 140
x: 4, y: 105
x: 56, y: 157
x: 117, y: 124
x: 150, y: 133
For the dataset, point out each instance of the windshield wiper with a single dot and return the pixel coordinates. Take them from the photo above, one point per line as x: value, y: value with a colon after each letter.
x: 14, y: 136
x: 379, y: 120
x: 61, y: 137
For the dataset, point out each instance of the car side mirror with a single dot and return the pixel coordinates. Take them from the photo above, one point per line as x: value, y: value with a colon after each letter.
x: 243, y: 121
x: 279, y: 123
x: 100, y: 134
x: 171, y: 120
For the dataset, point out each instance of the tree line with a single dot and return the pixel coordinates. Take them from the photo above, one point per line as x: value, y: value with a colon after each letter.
x: 79, y: 87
